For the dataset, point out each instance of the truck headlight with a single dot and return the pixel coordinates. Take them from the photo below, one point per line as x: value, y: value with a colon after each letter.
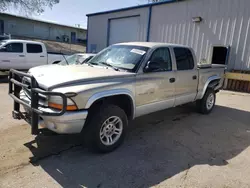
x: 56, y: 102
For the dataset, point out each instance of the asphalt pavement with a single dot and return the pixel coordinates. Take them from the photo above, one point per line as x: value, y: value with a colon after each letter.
x: 172, y: 148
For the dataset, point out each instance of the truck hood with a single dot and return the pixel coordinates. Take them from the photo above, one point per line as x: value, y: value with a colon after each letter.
x: 55, y: 76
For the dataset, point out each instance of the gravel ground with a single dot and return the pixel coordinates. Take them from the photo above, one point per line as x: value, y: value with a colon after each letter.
x: 171, y: 148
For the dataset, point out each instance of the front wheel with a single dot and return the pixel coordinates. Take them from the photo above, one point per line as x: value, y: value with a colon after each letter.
x: 106, y: 129
x: 206, y: 104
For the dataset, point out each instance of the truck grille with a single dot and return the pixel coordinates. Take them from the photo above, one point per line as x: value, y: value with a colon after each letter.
x: 27, y: 91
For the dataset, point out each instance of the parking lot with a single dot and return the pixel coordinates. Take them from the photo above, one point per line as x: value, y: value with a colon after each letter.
x: 171, y: 148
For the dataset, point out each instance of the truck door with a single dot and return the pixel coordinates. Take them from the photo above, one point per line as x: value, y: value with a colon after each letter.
x: 186, y: 76
x: 155, y: 87
x: 35, y: 55
x: 12, y: 55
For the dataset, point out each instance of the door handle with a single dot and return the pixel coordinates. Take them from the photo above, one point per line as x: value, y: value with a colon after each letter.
x: 42, y: 56
x: 194, y: 77
x: 21, y: 55
x: 172, y: 80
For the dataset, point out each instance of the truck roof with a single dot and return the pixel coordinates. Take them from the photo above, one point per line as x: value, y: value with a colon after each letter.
x: 152, y: 44
x: 23, y: 41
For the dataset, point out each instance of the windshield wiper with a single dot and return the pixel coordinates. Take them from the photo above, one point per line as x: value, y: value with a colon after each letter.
x: 109, y: 65
x: 65, y: 59
x: 89, y: 63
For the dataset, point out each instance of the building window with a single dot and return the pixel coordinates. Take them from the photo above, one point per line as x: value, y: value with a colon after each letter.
x: 34, y: 48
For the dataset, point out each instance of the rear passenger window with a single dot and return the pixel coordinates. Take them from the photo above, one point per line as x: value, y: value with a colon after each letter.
x: 34, y: 48
x: 184, y: 59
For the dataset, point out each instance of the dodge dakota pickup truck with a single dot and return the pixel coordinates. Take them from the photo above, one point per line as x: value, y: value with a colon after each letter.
x: 122, y: 82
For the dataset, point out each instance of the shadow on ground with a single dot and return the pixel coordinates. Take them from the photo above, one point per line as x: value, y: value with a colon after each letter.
x: 158, y: 147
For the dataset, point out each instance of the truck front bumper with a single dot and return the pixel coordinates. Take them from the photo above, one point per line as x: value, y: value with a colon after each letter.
x: 68, y: 123
x: 59, y: 121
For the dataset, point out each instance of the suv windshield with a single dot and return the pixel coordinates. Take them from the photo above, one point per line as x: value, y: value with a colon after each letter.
x: 125, y: 57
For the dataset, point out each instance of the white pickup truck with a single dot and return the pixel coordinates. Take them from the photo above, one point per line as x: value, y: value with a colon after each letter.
x: 24, y: 54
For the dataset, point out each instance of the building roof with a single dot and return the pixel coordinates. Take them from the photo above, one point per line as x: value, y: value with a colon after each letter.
x: 151, y: 44
x: 134, y: 7
x: 43, y: 21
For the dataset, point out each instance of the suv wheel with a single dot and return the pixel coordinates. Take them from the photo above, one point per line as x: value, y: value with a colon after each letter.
x: 106, y: 129
x: 206, y: 104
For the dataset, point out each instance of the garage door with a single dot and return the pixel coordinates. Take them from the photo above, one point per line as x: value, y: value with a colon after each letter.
x: 124, y: 30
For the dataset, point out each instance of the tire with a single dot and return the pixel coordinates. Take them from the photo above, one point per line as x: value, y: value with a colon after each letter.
x: 206, y: 104
x: 101, y: 124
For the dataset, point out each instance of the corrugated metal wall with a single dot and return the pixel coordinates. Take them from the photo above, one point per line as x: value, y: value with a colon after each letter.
x: 98, y: 26
x: 224, y: 22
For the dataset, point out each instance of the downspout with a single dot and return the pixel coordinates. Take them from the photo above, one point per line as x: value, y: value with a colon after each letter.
x: 87, y: 48
x: 149, y: 22
x: 108, y: 33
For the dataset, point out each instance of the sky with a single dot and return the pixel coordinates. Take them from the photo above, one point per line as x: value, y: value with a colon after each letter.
x: 71, y: 12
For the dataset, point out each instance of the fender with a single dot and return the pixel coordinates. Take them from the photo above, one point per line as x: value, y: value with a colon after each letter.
x: 110, y: 93
x: 210, y: 79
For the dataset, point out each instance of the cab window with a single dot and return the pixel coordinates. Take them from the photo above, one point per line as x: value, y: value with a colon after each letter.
x: 13, y: 48
x: 162, y: 59
x: 184, y: 59
x: 34, y: 48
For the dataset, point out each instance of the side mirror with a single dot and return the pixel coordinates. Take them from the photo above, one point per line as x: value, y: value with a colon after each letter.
x: 152, y: 66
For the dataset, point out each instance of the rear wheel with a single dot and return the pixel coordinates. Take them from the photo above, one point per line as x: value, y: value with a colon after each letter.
x: 206, y: 104
x: 106, y: 129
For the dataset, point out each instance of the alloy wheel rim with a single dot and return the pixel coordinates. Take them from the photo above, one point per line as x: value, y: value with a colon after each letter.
x: 210, y: 101
x: 111, y: 130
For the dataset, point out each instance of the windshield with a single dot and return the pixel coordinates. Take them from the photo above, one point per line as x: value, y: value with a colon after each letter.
x: 75, y: 59
x: 125, y: 57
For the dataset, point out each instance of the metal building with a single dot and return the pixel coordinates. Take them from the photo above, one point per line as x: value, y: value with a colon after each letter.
x: 209, y: 26
x: 19, y: 27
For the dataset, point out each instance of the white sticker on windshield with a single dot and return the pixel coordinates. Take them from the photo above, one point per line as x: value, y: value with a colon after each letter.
x: 140, y: 52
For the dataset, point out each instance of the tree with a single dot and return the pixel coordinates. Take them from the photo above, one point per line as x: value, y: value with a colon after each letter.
x: 27, y: 6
